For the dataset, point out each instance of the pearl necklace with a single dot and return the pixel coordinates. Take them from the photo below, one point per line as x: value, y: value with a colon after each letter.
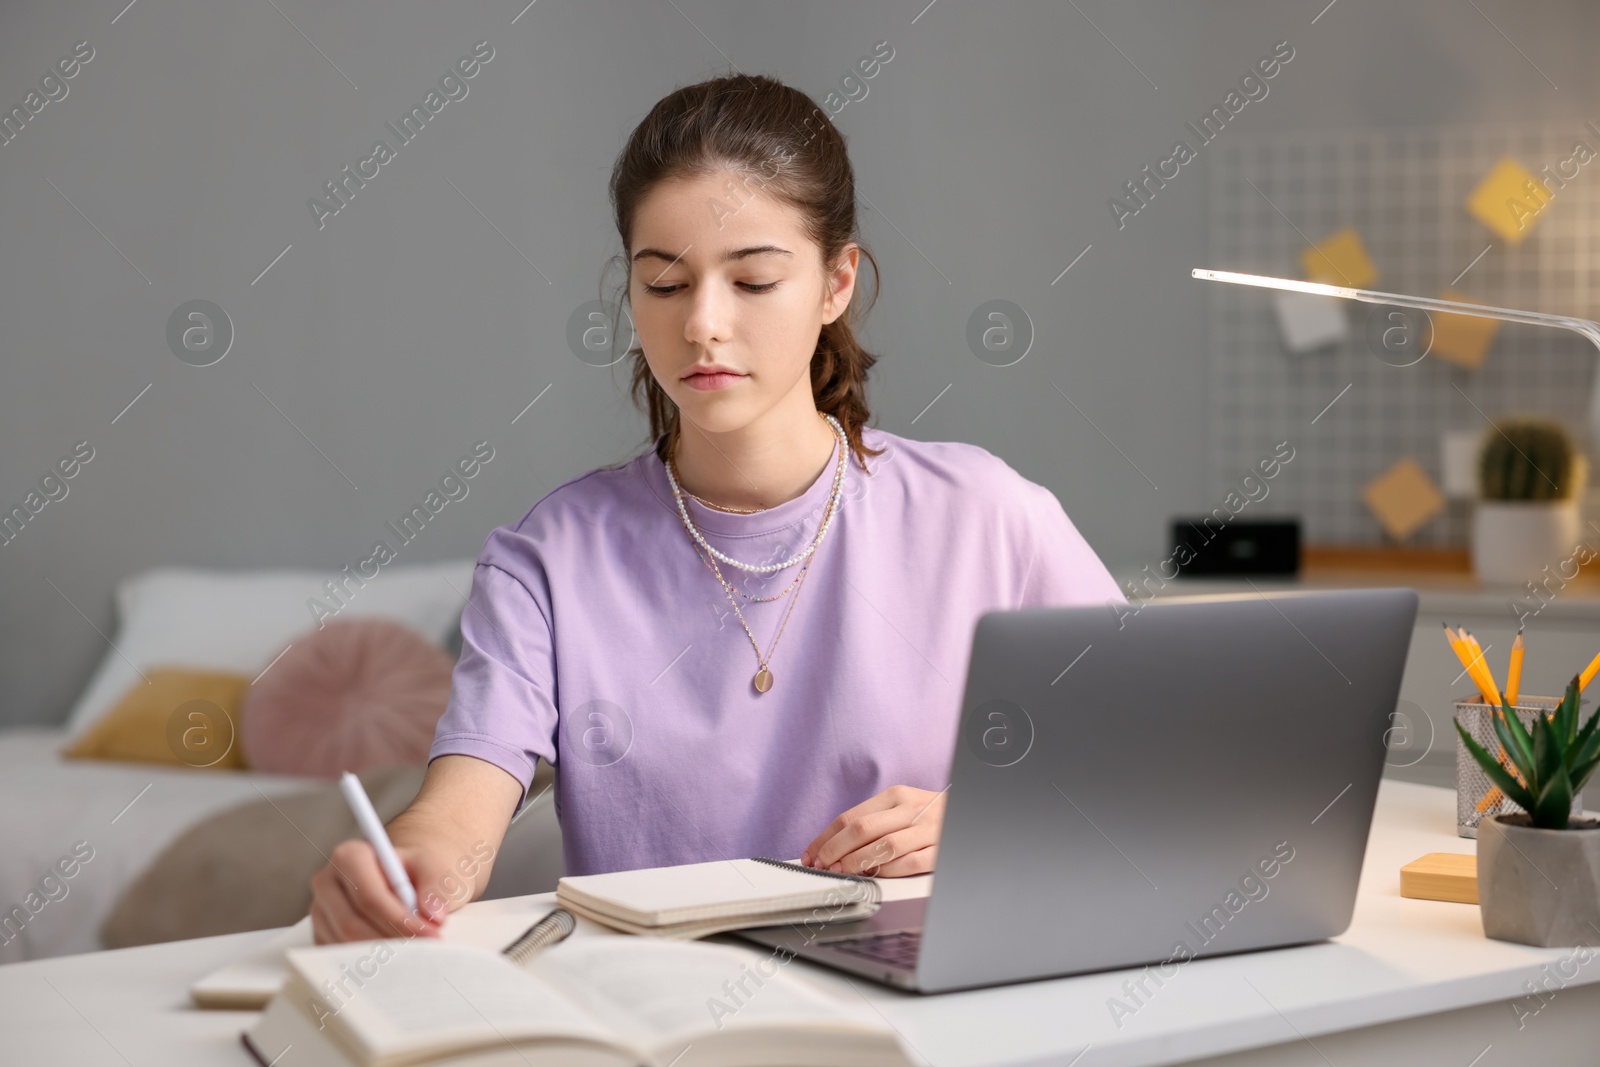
x: 758, y: 568
x: 763, y: 676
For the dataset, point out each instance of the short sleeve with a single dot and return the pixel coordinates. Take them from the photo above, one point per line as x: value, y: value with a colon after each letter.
x: 1060, y: 568
x: 502, y: 706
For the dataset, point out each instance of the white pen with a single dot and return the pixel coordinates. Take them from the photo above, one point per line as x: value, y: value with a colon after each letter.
x: 367, y: 819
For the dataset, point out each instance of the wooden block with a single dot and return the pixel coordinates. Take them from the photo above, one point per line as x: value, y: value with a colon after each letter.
x: 1462, y: 339
x: 1448, y: 876
x: 1509, y: 200
x: 1402, y: 498
x: 1339, y: 259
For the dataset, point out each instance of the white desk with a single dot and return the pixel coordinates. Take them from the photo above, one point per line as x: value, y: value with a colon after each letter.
x: 1411, y: 982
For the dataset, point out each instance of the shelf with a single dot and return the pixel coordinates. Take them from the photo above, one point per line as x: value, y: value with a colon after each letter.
x: 1442, y: 576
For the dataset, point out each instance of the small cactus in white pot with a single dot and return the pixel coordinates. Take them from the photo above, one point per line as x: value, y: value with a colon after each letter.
x: 1530, y: 480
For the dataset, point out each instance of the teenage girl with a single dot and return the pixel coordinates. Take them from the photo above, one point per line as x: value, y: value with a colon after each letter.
x: 751, y: 638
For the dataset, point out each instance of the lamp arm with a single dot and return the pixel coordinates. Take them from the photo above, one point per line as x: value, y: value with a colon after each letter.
x: 1585, y: 327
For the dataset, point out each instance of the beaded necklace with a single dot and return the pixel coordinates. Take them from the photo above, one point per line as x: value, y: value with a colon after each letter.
x: 768, y: 568
x: 763, y: 677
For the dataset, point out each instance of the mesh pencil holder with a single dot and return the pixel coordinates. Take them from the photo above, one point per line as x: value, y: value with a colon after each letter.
x: 1477, y: 797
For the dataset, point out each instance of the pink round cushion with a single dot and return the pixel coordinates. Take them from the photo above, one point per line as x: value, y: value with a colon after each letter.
x: 351, y: 695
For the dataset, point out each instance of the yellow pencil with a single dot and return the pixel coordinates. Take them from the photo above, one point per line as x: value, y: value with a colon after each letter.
x: 1494, y: 796
x: 1474, y: 669
x: 1490, y: 799
x: 1589, y: 672
x: 1493, y: 691
x: 1486, y: 684
x: 1514, y: 670
x: 1460, y: 649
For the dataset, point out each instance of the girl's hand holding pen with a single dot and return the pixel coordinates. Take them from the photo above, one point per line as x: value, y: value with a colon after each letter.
x: 352, y: 900
x: 442, y: 854
x: 372, y: 889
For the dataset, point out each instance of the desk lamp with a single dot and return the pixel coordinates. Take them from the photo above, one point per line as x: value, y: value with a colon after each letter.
x: 1587, y: 328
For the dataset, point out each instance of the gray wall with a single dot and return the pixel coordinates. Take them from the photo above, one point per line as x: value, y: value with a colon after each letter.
x: 408, y: 327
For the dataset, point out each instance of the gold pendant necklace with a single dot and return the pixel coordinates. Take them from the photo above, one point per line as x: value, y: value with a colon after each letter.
x: 724, y: 507
x: 763, y: 677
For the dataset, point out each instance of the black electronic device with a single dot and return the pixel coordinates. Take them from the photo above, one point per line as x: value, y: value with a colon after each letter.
x: 1247, y: 546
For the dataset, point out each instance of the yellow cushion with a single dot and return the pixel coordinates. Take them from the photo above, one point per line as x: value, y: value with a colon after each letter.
x: 181, y: 717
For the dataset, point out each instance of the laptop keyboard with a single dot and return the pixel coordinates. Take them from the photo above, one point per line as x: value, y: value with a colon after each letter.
x: 897, y: 948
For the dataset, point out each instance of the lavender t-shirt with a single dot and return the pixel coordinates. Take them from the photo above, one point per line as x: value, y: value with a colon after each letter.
x: 597, y: 640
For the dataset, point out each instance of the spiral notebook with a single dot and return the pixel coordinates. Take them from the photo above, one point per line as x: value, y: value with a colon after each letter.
x: 694, y: 900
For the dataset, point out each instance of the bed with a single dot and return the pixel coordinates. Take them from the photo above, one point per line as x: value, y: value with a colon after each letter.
x: 79, y: 838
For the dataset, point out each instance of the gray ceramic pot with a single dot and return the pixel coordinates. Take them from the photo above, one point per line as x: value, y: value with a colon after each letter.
x: 1539, y: 887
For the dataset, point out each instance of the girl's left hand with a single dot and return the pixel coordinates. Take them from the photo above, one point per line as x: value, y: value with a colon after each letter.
x: 891, y: 835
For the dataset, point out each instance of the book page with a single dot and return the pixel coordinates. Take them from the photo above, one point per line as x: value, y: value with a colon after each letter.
x: 409, y: 997
x: 249, y: 982
x: 662, y: 993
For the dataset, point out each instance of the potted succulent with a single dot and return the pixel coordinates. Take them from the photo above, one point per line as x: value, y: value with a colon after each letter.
x: 1530, y: 480
x: 1539, y: 869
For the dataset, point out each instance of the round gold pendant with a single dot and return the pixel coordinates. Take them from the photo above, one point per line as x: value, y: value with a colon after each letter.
x: 763, y: 680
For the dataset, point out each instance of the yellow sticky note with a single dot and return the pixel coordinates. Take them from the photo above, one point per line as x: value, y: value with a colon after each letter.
x: 1402, y: 498
x: 1462, y: 339
x: 1339, y: 259
x: 1509, y: 200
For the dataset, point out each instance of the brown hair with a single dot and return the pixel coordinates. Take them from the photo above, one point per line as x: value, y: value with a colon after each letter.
x: 777, y: 138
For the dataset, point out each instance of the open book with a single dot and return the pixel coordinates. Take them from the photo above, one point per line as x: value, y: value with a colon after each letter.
x: 608, y: 1001
x: 693, y: 900
x: 250, y: 982
x: 247, y: 983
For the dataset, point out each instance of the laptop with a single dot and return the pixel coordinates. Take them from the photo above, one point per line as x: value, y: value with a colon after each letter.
x: 1145, y: 784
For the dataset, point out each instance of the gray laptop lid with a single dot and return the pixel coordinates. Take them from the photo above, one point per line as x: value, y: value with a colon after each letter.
x: 1190, y: 777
